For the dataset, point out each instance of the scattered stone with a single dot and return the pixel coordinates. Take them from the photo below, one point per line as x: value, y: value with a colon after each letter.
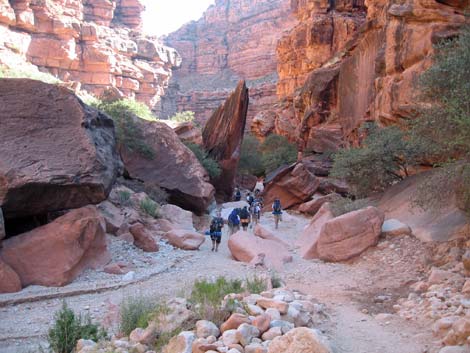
x: 261, y: 322
x: 246, y: 332
x: 143, y: 239
x: 181, y: 343
x: 206, y: 328
x: 230, y: 337
x: 267, y: 303
x: 234, y: 321
x: 298, y: 340
x: 145, y: 336
x: 272, y: 333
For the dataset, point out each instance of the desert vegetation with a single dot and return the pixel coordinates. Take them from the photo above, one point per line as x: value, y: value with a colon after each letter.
x: 210, y: 164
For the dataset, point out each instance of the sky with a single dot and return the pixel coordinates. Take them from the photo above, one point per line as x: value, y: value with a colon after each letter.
x: 165, y: 16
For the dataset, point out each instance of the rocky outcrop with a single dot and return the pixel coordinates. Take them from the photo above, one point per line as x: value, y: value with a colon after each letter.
x: 56, y: 253
x: 247, y: 248
x: 349, y: 68
x: 233, y: 40
x: 9, y: 280
x: 57, y: 153
x: 172, y: 167
x: 93, y: 44
x: 293, y: 185
x: 222, y: 138
x: 447, y: 223
x: 341, y: 238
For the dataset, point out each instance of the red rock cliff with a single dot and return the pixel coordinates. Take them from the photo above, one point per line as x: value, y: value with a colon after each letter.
x: 233, y: 40
x: 95, y: 43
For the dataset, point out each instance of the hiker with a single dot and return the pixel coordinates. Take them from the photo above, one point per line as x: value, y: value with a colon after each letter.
x: 237, y: 194
x: 233, y: 221
x: 256, y: 212
x: 245, y: 218
x: 277, y: 211
x: 216, y: 231
x: 250, y: 199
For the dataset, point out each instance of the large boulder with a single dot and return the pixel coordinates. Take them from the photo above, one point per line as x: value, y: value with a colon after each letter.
x: 143, y: 238
x: 184, y: 239
x: 443, y: 224
x: 173, y: 167
x: 9, y: 280
x: 182, y: 219
x: 223, y: 136
x: 264, y: 233
x: 188, y: 132
x: 293, y: 184
x: 300, y: 339
x: 246, y: 247
x: 311, y: 207
x: 57, y: 153
x: 56, y: 253
x: 343, y: 237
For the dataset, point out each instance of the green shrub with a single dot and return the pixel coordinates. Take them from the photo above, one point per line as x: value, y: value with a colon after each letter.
x: 384, y: 158
x: 135, y: 312
x: 277, y: 151
x: 31, y: 74
x: 344, y: 205
x: 183, y: 117
x: 156, y: 193
x: 149, y: 207
x: 128, y: 133
x: 210, y: 165
x: 213, y: 292
x: 256, y: 285
x: 443, y: 129
x: 250, y: 157
x: 69, y: 328
x: 124, y: 197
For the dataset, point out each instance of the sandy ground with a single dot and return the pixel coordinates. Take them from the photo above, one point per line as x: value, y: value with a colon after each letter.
x: 354, y: 292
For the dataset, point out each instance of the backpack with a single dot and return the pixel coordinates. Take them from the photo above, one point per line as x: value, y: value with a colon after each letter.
x: 249, y: 199
x: 244, y: 214
x: 277, y: 206
x: 233, y: 218
x: 213, y: 227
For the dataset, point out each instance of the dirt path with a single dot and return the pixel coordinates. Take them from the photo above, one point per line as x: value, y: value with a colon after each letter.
x: 353, y: 293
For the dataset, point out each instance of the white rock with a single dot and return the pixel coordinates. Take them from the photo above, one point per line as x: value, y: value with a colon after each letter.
x: 206, y: 328
x: 129, y: 276
x: 394, y: 227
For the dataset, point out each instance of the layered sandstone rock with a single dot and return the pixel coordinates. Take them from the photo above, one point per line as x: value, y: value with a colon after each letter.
x: 54, y: 254
x: 335, y: 74
x: 233, y: 40
x: 57, y: 153
x: 172, y: 167
x: 223, y: 136
x: 92, y: 43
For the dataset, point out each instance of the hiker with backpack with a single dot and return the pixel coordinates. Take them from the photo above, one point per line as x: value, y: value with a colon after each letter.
x: 215, y: 230
x: 245, y: 218
x: 277, y: 211
x: 237, y: 196
x: 250, y: 199
x: 256, y: 212
x: 233, y: 221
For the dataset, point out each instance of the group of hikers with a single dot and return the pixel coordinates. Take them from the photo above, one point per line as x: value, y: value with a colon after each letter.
x: 242, y: 216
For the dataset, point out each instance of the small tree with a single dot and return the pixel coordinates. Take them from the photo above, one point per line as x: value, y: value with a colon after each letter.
x: 250, y: 157
x: 210, y: 164
x: 277, y: 151
x: 183, y: 117
x: 384, y: 159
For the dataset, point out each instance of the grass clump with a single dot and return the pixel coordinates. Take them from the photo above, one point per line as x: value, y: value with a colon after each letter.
x: 124, y: 197
x: 149, y: 207
x: 68, y: 328
x: 276, y: 281
x: 183, y: 117
x: 256, y: 285
x: 128, y: 132
x: 135, y: 312
x: 210, y: 164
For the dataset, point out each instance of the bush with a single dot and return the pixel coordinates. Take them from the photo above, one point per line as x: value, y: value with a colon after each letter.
x: 210, y: 165
x: 344, y: 205
x: 135, y: 312
x: 250, y: 157
x: 156, y: 193
x: 124, y: 197
x: 277, y: 151
x: 149, y: 207
x: 68, y: 329
x: 256, y: 285
x: 443, y: 129
x: 31, y: 74
x: 384, y: 158
x: 183, y: 117
x: 128, y: 133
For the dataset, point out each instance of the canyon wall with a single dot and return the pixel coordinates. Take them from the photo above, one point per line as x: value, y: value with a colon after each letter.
x: 338, y: 68
x: 235, y: 39
x: 94, y: 44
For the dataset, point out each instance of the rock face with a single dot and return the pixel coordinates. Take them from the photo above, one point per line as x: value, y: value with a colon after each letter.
x: 173, y: 167
x: 359, y: 62
x: 246, y: 247
x: 233, y: 40
x: 343, y: 237
x: 223, y: 136
x: 9, y: 280
x: 94, y: 44
x: 57, y: 153
x: 427, y: 225
x: 293, y: 185
x: 54, y: 254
